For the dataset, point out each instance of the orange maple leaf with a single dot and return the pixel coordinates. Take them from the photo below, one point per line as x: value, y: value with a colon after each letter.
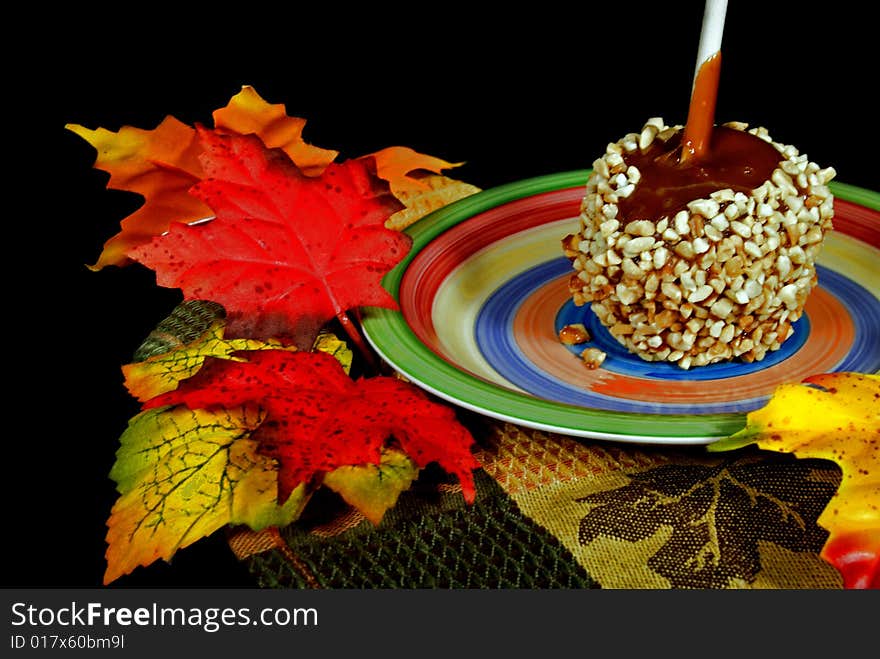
x: 161, y: 165
x: 248, y: 114
x: 395, y: 164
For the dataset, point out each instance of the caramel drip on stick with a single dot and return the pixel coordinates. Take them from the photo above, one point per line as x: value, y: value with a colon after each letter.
x: 701, y: 112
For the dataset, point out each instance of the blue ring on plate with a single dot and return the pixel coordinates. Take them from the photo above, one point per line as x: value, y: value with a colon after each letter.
x: 497, y: 343
x: 864, y: 310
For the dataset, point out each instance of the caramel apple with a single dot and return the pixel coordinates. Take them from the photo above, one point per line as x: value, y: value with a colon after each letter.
x: 700, y: 260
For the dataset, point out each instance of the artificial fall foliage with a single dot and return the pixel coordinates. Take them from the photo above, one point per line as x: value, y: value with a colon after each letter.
x: 248, y: 114
x: 183, y: 474
x: 835, y: 417
x: 162, y: 164
x: 319, y: 419
x: 373, y: 488
x: 247, y: 436
x: 436, y: 192
x: 244, y: 423
x: 395, y: 164
x: 285, y: 253
x: 164, y: 372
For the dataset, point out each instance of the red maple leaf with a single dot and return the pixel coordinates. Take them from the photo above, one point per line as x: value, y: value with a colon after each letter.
x: 285, y: 252
x: 318, y: 418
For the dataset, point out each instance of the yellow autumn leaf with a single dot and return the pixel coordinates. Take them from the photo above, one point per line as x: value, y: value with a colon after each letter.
x: 438, y: 191
x: 163, y: 372
x: 248, y: 114
x: 333, y: 345
x: 183, y: 474
x: 374, y: 488
x: 834, y: 417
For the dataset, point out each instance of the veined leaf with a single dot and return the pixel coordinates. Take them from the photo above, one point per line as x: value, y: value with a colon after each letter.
x: 162, y: 165
x: 182, y: 474
x: 163, y: 372
x: 318, y: 419
x: 285, y: 253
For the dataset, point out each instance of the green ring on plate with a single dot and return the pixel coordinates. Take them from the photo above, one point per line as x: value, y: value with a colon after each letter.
x: 388, y: 333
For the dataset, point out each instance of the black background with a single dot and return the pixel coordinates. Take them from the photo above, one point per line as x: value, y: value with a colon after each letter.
x: 512, y: 92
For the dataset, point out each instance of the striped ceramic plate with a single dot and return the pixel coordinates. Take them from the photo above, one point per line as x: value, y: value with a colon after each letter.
x: 483, y: 293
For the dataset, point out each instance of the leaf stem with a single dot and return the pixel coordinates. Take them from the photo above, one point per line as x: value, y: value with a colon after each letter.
x: 358, y: 340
